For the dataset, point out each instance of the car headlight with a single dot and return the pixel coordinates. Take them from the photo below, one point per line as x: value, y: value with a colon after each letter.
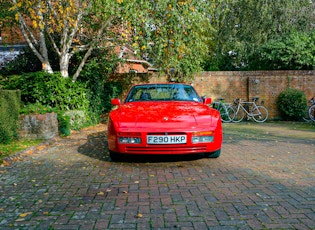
x: 202, y: 137
x: 129, y: 138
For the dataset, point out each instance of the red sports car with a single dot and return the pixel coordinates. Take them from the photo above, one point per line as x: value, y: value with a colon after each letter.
x: 164, y: 118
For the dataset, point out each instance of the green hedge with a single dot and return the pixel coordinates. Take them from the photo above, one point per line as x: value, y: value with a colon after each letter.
x: 292, y: 104
x: 9, y: 114
x: 50, y: 90
x: 40, y: 90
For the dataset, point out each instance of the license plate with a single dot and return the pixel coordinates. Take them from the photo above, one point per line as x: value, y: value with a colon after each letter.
x: 170, y: 139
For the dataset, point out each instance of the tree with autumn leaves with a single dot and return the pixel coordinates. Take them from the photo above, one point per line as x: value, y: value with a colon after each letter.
x: 172, y: 34
x: 180, y: 37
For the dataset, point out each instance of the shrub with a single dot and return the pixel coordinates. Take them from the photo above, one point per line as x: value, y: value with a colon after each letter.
x: 99, y: 90
x: 41, y: 91
x: 77, y: 119
x: 63, y: 124
x: 9, y: 107
x: 49, y: 90
x: 292, y: 104
x: 36, y: 108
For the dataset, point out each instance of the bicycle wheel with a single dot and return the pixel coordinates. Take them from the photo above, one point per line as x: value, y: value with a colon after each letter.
x: 306, y: 117
x: 260, y: 113
x: 230, y: 112
x: 239, y: 114
x: 225, y: 113
x: 311, y: 112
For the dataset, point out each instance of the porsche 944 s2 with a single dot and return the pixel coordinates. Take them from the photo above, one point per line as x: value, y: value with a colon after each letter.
x: 164, y: 118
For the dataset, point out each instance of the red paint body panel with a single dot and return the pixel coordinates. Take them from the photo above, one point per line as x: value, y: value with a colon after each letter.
x: 159, y: 117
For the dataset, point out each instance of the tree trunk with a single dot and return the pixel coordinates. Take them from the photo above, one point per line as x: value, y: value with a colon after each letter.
x: 64, y: 65
x: 47, y: 68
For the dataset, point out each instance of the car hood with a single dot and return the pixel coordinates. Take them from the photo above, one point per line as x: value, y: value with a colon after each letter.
x: 180, y: 115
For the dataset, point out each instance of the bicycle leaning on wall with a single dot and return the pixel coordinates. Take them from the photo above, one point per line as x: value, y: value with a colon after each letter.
x: 226, y: 110
x: 259, y: 113
x: 310, y: 114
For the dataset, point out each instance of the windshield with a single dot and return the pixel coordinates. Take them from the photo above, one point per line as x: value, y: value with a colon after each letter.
x: 162, y: 92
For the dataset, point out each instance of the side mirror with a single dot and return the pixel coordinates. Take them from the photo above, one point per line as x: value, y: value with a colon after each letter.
x: 116, y: 101
x: 207, y: 100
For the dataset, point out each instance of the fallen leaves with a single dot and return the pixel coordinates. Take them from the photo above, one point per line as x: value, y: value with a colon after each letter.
x: 25, y: 214
x: 139, y: 215
x: 5, y: 163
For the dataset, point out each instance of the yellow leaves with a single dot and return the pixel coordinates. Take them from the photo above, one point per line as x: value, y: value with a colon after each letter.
x: 34, y: 23
x: 101, y: 193
x: 17, y: 16
x: 5, y: 163
x: 143, y: 47
x: 120, y: 1
x: 25, y: 214
x: 181, y: 3
x: 18, y: 4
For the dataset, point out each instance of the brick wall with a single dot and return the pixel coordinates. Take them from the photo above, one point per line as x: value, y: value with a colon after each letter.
x: 267, y: 85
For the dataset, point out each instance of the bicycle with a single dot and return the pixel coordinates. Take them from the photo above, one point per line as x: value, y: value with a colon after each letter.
x: 310, y: 113
x: 226, y: 110
x: 259, y: 113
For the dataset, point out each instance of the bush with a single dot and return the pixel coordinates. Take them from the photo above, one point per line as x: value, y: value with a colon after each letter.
x: 36, y: 108
x: 77, y: 118
x: 94, y: 76
x: 63, y: 124
x: 50, y: 91
x: 292, y: 104
x: 9, y: 107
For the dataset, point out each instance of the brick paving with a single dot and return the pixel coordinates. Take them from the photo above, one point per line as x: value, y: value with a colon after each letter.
x: 259, y: 182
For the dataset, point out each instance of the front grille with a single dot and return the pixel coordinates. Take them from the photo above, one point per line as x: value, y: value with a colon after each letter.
x: 163, y: 149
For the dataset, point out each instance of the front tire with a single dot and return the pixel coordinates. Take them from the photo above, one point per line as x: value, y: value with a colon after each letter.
x: 214, y: 154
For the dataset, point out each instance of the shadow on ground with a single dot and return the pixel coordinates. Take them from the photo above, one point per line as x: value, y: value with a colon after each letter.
x: 97, y: 147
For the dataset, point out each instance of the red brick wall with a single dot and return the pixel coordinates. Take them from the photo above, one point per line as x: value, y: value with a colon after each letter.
x: 267, y: 85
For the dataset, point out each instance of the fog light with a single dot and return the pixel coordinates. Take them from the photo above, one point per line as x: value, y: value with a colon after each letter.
x: 202, y: 139
x: 130, y: 140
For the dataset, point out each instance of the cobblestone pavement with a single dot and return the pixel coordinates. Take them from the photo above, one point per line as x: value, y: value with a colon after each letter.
x: 263, y: 180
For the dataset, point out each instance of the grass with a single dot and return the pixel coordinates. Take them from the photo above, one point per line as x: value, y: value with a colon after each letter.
x: 15, y: 147
x: 274, y: 129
